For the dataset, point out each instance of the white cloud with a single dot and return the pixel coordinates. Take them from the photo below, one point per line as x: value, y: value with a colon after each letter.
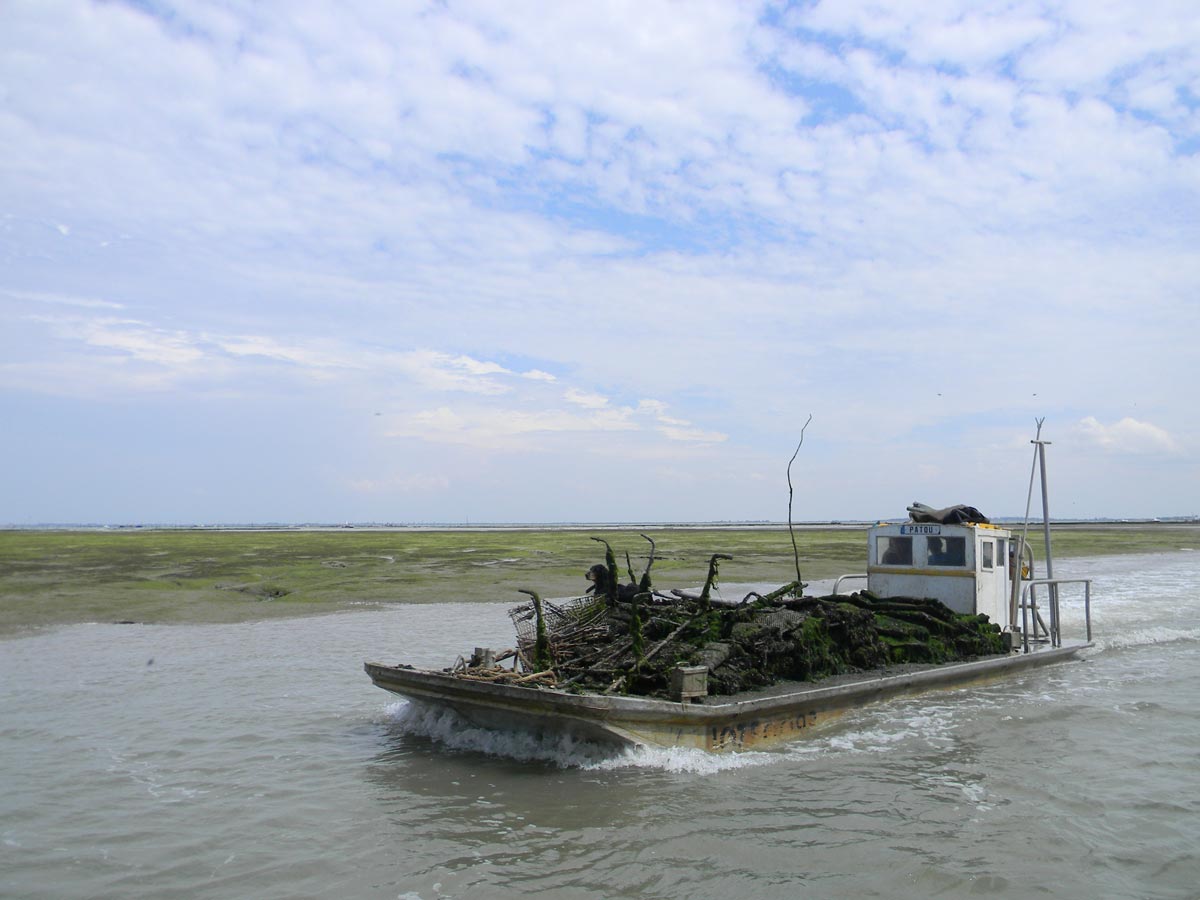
x: 1129, y: 436
x: 677, y: 429
x: 513, y: 426
x: 142, y: 342
x: 180, y: 352
x: 507, y: 428
x: 654, y: 407
x: 270, y: 348
x: 443, y: 372
x: 676, y: 433
x: 61, y: 299
x: 586, y: 400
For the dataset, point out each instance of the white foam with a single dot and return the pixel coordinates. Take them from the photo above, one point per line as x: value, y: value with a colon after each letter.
x: 453, y: 731
x: 1144, y: 636
x: 450, y: 729
x: 456, y: 733
x: 880, y: 739
x: 882, y: 728
x: 685, y: 760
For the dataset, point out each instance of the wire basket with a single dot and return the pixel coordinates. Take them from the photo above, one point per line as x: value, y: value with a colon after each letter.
x: 569, y: 622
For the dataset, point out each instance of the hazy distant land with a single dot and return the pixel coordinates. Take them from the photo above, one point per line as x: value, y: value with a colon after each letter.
x: 175, y: 575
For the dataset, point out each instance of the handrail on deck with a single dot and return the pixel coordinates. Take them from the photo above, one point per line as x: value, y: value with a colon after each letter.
x: 1029, y: 603
x: 838, y: 584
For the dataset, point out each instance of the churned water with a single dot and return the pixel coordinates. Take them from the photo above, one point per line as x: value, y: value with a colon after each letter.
x: 258, y: 761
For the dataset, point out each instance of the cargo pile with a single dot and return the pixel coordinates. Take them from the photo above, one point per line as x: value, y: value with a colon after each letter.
x: 630, y: 638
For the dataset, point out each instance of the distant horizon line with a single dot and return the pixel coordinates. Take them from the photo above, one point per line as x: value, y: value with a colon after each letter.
x: 568, y: 524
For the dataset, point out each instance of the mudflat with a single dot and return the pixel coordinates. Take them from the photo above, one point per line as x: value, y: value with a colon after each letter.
x: 174, y: 576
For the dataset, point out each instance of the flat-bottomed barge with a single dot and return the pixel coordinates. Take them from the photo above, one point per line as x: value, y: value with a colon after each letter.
x: 980, y: 618
x: 771, y: 715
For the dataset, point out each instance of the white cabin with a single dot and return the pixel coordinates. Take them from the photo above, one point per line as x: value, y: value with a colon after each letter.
x: 964, y: 566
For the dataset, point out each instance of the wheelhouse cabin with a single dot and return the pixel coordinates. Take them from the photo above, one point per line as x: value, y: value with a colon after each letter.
x: 966, y: 567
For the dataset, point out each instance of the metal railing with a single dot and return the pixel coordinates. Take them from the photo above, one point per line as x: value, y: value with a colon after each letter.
x: 837, y: 585
x: 1031, y: 618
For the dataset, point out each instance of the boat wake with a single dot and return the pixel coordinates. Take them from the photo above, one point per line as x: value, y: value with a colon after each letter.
x: 1162, y: 634
x: 685, y: 760
x: 451, y: 730
x: 913, y: 719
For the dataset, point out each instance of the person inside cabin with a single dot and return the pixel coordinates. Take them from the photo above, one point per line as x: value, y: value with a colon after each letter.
x: 947, y: 551
x: 898, y: 552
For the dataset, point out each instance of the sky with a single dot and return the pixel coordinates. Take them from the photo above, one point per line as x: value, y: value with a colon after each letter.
x: 596, y: 261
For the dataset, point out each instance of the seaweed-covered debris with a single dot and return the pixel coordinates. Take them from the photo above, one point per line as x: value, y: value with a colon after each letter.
x: 630, y: 638
x: 591, y: 645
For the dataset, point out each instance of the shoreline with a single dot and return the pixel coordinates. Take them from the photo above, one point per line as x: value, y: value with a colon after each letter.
x: 459, y: 527
x: 196, y: 576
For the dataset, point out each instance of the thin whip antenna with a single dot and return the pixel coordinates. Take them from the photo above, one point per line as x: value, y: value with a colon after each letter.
x: 791, y: 531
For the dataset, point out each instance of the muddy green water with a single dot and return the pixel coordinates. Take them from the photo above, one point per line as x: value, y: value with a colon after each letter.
x: 257, y: 761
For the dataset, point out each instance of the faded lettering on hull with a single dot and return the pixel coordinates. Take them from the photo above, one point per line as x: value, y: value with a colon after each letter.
x: 741, y: 735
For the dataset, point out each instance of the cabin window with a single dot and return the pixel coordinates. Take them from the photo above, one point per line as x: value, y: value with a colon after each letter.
x: 987, y: 551
x: 894, y: 551
x: 949, y: 551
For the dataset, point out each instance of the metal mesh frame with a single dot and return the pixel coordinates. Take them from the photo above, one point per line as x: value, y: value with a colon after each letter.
x: 565, y: 619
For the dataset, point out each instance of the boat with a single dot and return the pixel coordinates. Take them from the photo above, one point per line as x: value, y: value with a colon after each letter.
x: 959, y: 559
x: 716, y: 724
x: 977, y: 582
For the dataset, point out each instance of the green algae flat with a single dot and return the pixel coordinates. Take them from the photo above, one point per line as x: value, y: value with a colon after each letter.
x: 210, y: 575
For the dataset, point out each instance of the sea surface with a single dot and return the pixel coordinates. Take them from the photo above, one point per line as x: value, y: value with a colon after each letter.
x: 258, y: 761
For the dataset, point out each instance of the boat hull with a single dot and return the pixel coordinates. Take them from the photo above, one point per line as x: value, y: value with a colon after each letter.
x: 718, y: 724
